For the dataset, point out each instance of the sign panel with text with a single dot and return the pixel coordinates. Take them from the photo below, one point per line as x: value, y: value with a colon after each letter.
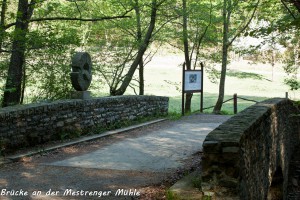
x: 193, y: 81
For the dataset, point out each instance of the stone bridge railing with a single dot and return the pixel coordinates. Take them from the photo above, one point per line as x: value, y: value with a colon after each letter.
x: 251, y: 152
x: 32, y: 124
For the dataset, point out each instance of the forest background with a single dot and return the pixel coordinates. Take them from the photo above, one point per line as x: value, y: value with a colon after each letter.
x: 140, y: 47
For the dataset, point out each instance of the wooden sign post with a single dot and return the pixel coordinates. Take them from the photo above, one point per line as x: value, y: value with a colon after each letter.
x: 192, y: 82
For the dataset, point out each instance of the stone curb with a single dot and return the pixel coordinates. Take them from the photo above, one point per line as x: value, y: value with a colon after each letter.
x: 18, y: 157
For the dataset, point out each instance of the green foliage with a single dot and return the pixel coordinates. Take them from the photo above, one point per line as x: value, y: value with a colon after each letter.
x: 297, y: 103
x: 213, y: 73
x: 50, y: 44
x: 49, y: 47
x: 196, y: 181
x: 113, y: 44
x: 207, y: 198
x: 203, y: 30
x: 294, y: 84
x: 171, y: 196
x: 51, y: 80
x: 174, y: 115
x: 226, y: 112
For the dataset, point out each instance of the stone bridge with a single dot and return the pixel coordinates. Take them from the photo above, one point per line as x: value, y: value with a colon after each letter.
x: 252, y: 153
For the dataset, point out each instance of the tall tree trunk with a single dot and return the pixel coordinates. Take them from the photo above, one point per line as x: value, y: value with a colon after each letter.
x: 273, y: 62
x: 2, y: 21
x: 141, y: 76
x: 139, y: 40
x: 296, y: 59
x: 185, y: 36
x: 13, y: 87
x: 226, y: 20
x: 142, y: 49
x: 188, y: 96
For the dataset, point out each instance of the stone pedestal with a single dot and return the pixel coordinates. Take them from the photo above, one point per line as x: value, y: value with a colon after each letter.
x: 81, y: 95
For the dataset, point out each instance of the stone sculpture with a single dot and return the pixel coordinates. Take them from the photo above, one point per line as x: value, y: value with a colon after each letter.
x: 81, y: 75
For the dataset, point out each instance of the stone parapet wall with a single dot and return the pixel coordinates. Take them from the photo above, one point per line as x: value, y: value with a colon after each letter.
x: 245, y: 152
x: 33, y: 124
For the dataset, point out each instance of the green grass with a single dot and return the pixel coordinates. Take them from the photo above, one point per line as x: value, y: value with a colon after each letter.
x: 163, y: 77
x: 244, y: 75
x: 171, y: 196
x: 210, y: 100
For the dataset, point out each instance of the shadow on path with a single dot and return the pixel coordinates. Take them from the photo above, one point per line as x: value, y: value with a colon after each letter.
x: 121, y: 162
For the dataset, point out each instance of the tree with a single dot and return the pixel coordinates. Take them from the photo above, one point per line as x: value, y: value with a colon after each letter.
x: 192, y: 33
x: 15, y: 76
x: 139, y: 40
x: 126, y: 42
x: 230, y: 33
x: 291, y: 61
x: 296, y: 3
x: 193, y: 42
x: 280, y: 29
x: 142, y: 49
x: 13, y: 87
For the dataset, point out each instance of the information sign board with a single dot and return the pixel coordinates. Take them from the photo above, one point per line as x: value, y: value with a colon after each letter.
x: 193, y: 81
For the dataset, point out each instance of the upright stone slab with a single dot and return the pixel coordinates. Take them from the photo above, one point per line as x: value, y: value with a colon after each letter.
x: 81, y: 95
x: 81, y: 75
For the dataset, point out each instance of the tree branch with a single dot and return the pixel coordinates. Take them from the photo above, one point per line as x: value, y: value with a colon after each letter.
x: 203, y: 34
x: 288, y: 9
x: 246, y: 25
x: 70, y: 19
x: 165, y: 23
x: 5, y: 51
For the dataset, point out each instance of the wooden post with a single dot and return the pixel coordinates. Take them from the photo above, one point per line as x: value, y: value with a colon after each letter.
x: 182, y: 98
x: 235, y: 103
x: 201, y: 97
x: 286, y: 95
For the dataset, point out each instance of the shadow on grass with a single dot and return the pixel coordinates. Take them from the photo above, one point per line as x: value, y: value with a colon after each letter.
x: 244, y: 75
x: 209, y: 101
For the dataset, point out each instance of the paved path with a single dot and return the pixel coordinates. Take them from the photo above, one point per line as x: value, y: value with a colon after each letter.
x: 126, y: 163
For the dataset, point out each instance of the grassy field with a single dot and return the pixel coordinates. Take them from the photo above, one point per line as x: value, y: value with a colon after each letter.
x: 163, y: 77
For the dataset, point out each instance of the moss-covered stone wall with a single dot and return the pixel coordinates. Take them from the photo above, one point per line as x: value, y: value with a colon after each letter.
x: 245, y: 152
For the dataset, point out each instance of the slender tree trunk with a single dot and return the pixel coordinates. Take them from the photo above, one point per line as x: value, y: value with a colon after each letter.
x: 296, y: 59
x: 23, y: 85
x: 142, y: 49
x: 139, y: 40
x: 13, y: 87
x: 188, y: 96
x: 273, y: 62
x: 185, y: 36
x: 2, y: 21
x: 142, y: 80
x: 227, y: 11
x: 226, y: 20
